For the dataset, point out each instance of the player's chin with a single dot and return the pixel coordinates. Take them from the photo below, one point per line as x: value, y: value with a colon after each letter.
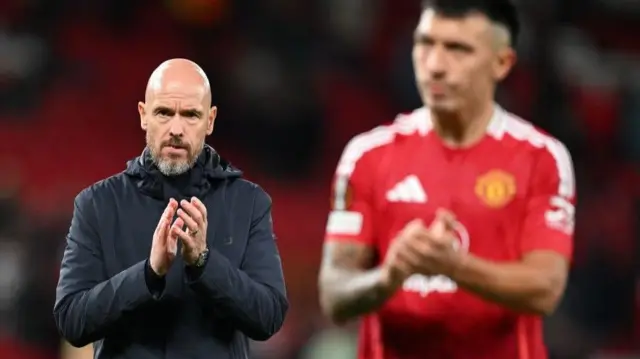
x: 441, y: 104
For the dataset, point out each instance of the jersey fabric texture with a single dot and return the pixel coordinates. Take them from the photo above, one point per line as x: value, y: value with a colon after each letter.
x: 513, y: 192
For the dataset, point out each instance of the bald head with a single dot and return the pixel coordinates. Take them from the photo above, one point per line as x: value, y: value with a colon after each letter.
x: 179, y: 75
x: 177, y: 115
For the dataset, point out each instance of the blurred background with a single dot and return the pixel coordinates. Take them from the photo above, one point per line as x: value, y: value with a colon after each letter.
x: 294, y: 80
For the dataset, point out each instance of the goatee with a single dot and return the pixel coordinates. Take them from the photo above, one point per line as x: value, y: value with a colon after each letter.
x: 168, y: 166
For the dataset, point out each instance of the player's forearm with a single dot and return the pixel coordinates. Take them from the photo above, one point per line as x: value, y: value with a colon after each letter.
x: 515, y: 285
x: 345, y: 295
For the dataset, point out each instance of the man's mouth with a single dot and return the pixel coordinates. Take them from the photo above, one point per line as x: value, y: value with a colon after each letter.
x: 179, y: 147
x: 175, y: 148
x: 437, y: 89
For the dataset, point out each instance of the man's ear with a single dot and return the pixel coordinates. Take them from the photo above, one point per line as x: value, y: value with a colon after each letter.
x: 211, y: 119
x: 142, y: 111
x: 505, y: 61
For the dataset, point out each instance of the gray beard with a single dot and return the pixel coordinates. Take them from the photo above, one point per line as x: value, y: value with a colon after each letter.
x: 171, y: 168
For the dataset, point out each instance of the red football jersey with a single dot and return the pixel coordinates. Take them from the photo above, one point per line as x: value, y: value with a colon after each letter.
x: 512, y: 192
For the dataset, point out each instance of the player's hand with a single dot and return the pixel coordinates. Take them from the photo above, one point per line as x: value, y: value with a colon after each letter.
x: 193, y: 214
x: 441, y: 255
x: 164, y: 245
x: 406, y: 253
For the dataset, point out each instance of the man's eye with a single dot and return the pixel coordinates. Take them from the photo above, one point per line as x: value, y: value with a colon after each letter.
x: 460, y: 49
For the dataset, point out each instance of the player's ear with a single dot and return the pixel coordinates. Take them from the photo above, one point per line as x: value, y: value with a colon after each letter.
x: 211, y: 119
x: 505, y: 60
x: 143, y: 118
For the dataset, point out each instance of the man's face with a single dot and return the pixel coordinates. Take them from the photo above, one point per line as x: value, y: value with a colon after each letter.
x: 457, y: 61
x: 177, y: 117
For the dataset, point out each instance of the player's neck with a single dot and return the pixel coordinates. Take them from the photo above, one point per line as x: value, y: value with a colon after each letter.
x: 464, y: 128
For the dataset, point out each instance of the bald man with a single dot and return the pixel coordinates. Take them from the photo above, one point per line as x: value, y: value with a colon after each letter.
x: 175, y: 257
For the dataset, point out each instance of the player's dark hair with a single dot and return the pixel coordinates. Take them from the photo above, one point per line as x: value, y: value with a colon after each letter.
x: 501, y: 12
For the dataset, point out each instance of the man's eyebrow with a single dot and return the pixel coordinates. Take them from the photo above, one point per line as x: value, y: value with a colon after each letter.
x: 423, y: 38
x: 191, y: 112
x: 188, y: 112
x: 162, y: 108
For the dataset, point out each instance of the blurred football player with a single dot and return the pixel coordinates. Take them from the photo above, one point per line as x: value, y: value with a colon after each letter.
x: 451, y: 228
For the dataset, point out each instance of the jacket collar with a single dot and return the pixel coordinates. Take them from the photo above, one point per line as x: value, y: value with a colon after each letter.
x: 208, y: 169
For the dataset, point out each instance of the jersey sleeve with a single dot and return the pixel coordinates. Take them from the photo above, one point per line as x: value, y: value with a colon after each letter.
x: 352, y: 196
x: 550, y: 217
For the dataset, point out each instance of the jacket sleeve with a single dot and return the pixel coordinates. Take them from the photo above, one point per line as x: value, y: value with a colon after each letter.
x: 88, y: 303
x: 252, y: 297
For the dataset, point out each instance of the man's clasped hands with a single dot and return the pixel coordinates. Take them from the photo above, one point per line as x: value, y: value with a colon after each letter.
x: 190, y: 227
x: 426, y: 250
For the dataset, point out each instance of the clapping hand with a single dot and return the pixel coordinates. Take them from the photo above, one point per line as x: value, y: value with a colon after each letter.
x: 193, y: 215
x: 441, y: 254
x: 164, y: 245
x: 419, y: 249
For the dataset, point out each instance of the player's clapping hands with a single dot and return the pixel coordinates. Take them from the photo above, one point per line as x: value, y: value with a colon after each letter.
x: 419, y: 249
x: 442, y: 255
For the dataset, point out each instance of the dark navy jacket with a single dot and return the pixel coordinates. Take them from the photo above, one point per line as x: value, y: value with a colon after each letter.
x: 103, y: 297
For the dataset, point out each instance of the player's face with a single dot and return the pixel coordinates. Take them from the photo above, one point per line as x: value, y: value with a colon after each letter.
x: 177, y: 120
x: 457, y: 61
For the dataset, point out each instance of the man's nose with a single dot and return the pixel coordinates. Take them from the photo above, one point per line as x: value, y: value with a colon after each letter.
x: 436, y: 63
x: 177, y: 127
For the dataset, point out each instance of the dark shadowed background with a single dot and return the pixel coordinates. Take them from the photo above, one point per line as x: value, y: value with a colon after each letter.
x: 294, y: 80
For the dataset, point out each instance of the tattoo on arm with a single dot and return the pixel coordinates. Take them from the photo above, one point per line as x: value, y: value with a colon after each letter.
x: 349, y: 285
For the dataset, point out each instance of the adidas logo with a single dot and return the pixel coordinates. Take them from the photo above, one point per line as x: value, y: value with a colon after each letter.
x: 408, y: 190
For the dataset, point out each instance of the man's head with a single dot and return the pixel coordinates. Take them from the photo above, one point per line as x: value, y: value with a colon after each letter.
x: 462, y: 48
x: 177, y: 115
